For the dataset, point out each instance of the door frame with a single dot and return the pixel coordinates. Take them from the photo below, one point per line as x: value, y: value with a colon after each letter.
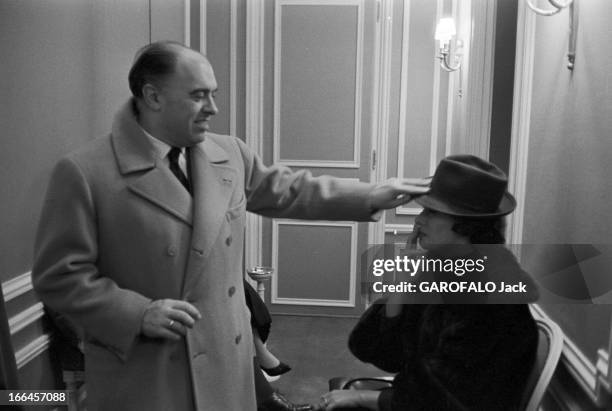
x: 471, y: 119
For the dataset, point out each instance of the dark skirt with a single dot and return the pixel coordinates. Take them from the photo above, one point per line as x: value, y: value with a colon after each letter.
x: 260, y: 316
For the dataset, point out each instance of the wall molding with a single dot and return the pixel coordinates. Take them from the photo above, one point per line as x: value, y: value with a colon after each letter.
x: 592, y: 378
x: 383, y: 44
x: 32, y: 350
x: 479, y: 93
x: 17, y: 286
x: 402, y: 210
x: 187, y: 17
x: 26, y: 317
x: 312, y: 302
x: 355, y: 162
x: 316, y: 163
x: 396, y: 229
x: 12, y: 289
x: 203, y: 26
x: 521, y: 118
x: 450, y: 92
x: 435, y: 112
x: 233, y: 89
x: 275, y: 299
x: 254, y: 116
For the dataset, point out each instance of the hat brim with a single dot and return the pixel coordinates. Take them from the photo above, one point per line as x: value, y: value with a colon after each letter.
x: 506, y: 206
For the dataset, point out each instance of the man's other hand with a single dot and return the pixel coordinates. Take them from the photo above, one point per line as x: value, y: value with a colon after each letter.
x: 169, y: 319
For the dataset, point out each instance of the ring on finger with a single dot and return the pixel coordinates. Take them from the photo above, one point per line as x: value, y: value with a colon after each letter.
x: 171, y: 323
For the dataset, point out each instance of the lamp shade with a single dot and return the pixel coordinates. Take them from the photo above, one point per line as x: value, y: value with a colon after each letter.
x: 445, y: 30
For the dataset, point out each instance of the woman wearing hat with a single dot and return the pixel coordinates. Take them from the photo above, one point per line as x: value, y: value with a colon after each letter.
x: 470, y: 356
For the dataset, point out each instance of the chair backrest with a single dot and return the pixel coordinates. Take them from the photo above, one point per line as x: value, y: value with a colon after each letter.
x: 8, y: 366
x: 550, y: 345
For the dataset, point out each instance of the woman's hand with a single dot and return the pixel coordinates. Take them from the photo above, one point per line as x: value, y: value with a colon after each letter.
x: 412, y: 241
x: 349, y: 398
x: 396, y: 300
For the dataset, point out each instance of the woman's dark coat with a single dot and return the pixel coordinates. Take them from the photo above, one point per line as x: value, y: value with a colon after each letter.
x: 450, y: 357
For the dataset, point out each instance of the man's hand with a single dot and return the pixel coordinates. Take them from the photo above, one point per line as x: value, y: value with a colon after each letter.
x: 169, y: 319
x: 397, y: 191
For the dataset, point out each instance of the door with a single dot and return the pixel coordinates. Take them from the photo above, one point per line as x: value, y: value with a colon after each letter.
x: 318, y: 104
x: 439, y: 113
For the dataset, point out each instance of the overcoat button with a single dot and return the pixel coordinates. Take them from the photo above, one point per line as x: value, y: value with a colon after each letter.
x: 228, y: 241
x: 238, y: 338
x: 171, y: 251
x: 231, y: 290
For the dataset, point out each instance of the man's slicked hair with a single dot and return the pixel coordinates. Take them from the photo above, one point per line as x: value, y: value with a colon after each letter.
x: 152, y: 64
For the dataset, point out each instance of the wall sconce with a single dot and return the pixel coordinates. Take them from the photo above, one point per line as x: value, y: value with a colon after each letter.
x: 445, y: 31
x: 557, y: 6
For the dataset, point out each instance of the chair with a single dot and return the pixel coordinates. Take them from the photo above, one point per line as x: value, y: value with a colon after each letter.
x: 363, y: 383
x: 66, y: 347
x: 550, y: 346
x: 8, y: 366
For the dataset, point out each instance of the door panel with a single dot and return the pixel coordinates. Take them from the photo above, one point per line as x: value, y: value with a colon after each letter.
x: 310, y: 273
x: 320, y: 120
x: 317, y: 84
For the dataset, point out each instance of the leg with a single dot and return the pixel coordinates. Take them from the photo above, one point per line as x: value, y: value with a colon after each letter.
x: 264, y: 356
x: 263, y: 389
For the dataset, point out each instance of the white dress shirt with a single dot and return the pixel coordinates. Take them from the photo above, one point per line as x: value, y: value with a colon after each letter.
x: 162, y: 149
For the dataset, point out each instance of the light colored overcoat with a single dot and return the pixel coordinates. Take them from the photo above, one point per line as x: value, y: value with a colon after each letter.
x: 118, y: 230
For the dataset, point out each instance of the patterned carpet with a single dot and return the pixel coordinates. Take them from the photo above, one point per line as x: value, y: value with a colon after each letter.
x: 316, y: 348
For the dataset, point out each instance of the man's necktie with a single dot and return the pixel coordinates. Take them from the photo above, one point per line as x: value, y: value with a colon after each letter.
x: 173, y: 157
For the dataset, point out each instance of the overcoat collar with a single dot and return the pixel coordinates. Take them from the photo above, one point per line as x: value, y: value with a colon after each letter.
x: 132, y: 148
x: 154, y: 181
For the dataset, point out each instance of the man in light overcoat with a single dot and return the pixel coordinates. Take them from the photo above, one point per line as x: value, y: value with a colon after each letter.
x: 140, y: 242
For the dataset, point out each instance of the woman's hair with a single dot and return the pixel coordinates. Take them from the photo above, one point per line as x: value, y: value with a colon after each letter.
x: 481, y: 230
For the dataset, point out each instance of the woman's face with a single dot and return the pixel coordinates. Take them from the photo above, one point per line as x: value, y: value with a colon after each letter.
x: 436, y: 229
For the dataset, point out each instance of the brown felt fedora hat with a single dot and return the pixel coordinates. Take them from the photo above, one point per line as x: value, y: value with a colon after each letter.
x: 467, y: 186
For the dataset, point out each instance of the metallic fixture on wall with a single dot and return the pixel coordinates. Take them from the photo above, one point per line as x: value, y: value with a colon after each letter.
x: 445, y: 31
x: 557, y: 6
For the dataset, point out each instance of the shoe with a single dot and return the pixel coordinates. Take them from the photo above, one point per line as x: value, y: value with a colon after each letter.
x: 277, y: 402
x: 270, y: 378
x: 280, y: 369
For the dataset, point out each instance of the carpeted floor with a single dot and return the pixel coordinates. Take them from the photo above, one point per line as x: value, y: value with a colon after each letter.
x: 316, y: 348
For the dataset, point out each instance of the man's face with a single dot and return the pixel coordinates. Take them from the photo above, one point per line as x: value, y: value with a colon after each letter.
x: 187, y: 101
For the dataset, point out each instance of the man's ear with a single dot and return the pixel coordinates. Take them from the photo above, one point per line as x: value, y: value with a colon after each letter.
x: 151, y: 97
